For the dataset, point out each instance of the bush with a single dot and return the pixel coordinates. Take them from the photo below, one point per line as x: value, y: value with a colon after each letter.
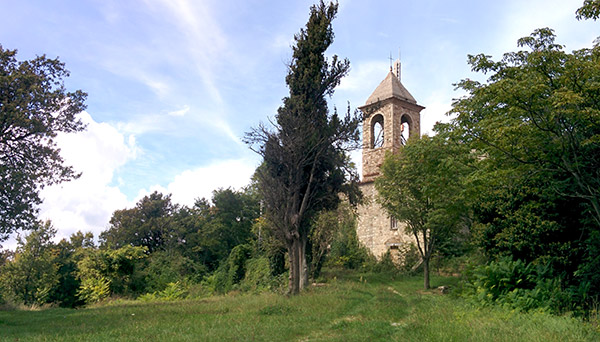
x: 112, y: 269
x: 173, y: 291
x: 258, y: 275
x: 231, y: 271
x: 93, y: 290
x: 385, y: 264
x: 347, y: 251
x: 515, y: 284
x: 165, y: 268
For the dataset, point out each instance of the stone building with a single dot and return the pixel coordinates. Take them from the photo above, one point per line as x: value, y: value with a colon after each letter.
x: 391, y: 116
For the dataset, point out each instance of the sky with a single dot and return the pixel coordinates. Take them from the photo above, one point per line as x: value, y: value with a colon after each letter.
x: 173, y: 85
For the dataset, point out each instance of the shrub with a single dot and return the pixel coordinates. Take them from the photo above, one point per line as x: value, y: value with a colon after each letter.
x: 385, y: 264
x: 114, y: 269
x: 347, y: 251
x: 165, y: 268
x: 173, y: 291
x: 515, y: 284
x: 231, y: 270
x: 94, y: 289
x: 258, y: 275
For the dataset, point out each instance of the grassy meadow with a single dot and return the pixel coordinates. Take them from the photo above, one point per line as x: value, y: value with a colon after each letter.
x: 348, y: 307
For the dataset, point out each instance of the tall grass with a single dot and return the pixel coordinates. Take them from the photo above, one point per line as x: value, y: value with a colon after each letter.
x: 349, y: 307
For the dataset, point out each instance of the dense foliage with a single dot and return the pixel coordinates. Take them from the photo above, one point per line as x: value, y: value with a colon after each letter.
x: 536, y: 194
x: 146, y: 249
x: 34, y: 108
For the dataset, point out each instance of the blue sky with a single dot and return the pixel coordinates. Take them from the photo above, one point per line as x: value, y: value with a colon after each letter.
x: 174, y: 84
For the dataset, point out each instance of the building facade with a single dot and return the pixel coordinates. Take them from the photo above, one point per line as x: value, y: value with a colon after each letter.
x: 391, y: 116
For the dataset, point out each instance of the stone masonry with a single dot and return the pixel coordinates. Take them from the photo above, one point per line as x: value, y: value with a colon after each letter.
x: 392, y: 107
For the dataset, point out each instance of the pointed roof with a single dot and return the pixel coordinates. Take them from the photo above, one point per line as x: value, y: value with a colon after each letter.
x: 388, y: 88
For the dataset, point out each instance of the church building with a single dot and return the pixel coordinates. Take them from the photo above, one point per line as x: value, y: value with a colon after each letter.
x: 391, y: 116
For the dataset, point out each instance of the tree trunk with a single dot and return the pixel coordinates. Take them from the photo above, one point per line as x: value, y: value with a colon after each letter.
x: 303, y: 265
x: 295, y: 261
x: 426, y: 272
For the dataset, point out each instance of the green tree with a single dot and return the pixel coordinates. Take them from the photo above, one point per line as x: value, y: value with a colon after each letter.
x: 104, y: 272
x: 589, y: 10
x: 34, y: 108
x: 537, y: 122
x: 334, y: 234
x: 150, y: 224
x: 33, y: 274
x: 539, y: 113
x: 423, y: 186
x: 305, y: 165
x: 68, y: 254
x: 209, y: 232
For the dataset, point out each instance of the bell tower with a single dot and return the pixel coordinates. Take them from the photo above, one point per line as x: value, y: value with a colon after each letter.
x: 391, y: 117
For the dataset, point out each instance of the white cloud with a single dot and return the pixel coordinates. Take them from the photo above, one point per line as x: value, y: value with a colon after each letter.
x: 189, y: 185
x: 87, y: 203
x: 180, y: 112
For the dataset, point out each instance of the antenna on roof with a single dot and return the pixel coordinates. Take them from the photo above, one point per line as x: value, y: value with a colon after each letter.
x: 391, y: 59
x: 398, y: 66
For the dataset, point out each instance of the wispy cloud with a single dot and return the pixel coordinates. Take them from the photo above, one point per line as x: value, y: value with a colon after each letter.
x: 180, y: 112
x: 206, y: 41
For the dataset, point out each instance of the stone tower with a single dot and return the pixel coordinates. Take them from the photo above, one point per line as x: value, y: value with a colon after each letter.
x: 391, y: 116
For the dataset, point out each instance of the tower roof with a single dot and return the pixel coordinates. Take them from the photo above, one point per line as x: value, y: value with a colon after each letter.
x: 388, y: 88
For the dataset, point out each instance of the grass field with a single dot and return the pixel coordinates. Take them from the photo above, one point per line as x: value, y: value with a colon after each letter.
x: 349, y: 307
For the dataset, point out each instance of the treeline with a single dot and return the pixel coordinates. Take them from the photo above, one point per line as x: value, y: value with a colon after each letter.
x: 159, y: 249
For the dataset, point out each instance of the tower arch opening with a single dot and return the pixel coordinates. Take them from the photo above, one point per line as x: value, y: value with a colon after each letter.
x: 377, y: 131
x: 405, y: 129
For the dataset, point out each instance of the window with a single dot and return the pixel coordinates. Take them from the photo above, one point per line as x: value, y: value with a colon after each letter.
x: 404, y: 129
x: 377, y: 131
x: 393, y: 223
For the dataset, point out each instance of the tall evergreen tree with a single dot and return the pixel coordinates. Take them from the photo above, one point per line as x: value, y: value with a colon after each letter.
x: 305, y: 165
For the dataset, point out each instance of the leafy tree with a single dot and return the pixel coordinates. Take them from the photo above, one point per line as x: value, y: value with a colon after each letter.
x: 334, y: 234
x: 68, y: 254
x: 539, y: 113
x: 165, y: 267
x: 519, y: 215
x: 269, y: 246
x: 150, y: 224
x: 423, y: 186
x: 537, y: 123
x: 33, y: 274
x: 103, y: 272
x: 305, y: 165
x: 589, y: 10
x: 210, y: 232
x: 34, y: 108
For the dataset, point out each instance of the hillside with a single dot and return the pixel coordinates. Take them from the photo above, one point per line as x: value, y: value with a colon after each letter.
x: 348, y: 307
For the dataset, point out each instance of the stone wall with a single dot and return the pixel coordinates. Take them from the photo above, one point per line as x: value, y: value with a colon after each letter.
x: 374, y: 227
